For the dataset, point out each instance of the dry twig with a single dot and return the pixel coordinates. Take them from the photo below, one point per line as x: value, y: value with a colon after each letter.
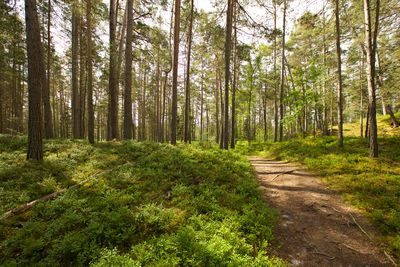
x: 282, y: 173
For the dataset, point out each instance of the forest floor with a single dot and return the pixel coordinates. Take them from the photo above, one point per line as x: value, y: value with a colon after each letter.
x: 316, y: 228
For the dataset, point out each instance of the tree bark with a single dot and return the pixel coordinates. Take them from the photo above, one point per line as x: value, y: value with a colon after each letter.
x: 275, y: 82
x: 35, y: 66
x: 228, y: 45
x: 216, y: 100
x: 282, y: 73
x: 187, y: 91
x: 82, y: 82
x: 48, y: 123
x: 113, y: 76
x: 90, y: 74
x: 362, y: 95
x: 325, y: 122
x: 128, y: 74
x: 174, y: 110
x: 75, y: 89
x: 233, y: 124
x: 339, y: 76
x: 371, y: 48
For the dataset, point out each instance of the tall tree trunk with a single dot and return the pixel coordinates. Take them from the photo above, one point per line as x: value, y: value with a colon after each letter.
x: 187, y: 91
x: 48, y: 123
x: 174, y: 110
x: 128, y: 74
x: 221, y: 144
x: 362, y: 95
x: 143, y: 109
x: 331, y: 111
x: 228, y: 45
x: 339, y: 77
x: 35, y: 66
x: 121, y: 34
x: 325, y: 122
x: 282, y: 73
x: 2, y: 91
x: 275, y: 82
x: 233, y: 124
x: 90, y: 75
x: 82, y: 82
x: 202, y: 102
x: 75, y: 89
x: 216, y: 100
x: 113, y: 76
x: 371, y: 48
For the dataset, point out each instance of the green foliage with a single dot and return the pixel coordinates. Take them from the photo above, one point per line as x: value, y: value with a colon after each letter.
x: 147, y: 204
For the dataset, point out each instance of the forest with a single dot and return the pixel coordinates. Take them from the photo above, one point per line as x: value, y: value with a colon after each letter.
x: 199, y: 133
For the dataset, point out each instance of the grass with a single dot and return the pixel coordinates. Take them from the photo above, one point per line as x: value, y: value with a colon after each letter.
x: 149, y: 204
x: 372, y: 185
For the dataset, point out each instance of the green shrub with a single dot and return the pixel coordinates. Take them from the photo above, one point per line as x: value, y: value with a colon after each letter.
x: 148, y: 204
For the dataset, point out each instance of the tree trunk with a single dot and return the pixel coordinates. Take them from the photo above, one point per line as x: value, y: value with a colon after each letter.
x: 90, y: 75
x: 48, y: 123
x: 82, y: 82
x: 339, y: 77
x: 282, y: 73
x: 216, y: 100
x: 201, y: 102
x: 233, y: 125
x: 371, y: 48
x: 325, y: 122
x: 128, y: 74
x: 75, y: 89
x: 389, y: 110
x: 275, y: 82
x: 174, y: 110
x: 187, y: 91
x: 113, y: 76
x: 362, y: 95
x: 228, y: 45
x: 331, y: 111
x: 35, y: 66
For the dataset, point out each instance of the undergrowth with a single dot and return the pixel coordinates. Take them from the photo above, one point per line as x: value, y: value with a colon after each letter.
x: 144, y: 204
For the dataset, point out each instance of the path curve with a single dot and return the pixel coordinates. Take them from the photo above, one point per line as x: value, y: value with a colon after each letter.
x: 316, y: 228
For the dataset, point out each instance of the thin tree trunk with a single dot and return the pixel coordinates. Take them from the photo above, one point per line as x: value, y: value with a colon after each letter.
x: 174, y: 110
x: 228, y: 45
x: 275, y: 82
x: 35, y: 66
x: 187, y: 92
x: 216, y: 100
x: 233, y: 124
x: 113, y: 76
x: 122, y: 32
x: 339, y: 77
x: 82, y: 83
x: 325, y: 122
x: 362, y: 95
x: 201, y: 102
x: 128, y: 74
x: 75, y: 89
x: 90, y: 75
x: 282, y: 73
x: 331, y: 113
x: 48, y: 123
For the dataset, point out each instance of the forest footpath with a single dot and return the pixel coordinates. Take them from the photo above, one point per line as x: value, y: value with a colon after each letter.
x: 316, y: 228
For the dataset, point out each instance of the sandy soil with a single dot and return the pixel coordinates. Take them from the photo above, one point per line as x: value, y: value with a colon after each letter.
x: 316, y: 228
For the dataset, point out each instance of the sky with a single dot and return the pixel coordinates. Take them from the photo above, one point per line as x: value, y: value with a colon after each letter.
x: 262, y: 15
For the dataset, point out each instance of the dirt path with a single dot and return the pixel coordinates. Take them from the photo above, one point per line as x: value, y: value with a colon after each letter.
x: 315, y: 227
